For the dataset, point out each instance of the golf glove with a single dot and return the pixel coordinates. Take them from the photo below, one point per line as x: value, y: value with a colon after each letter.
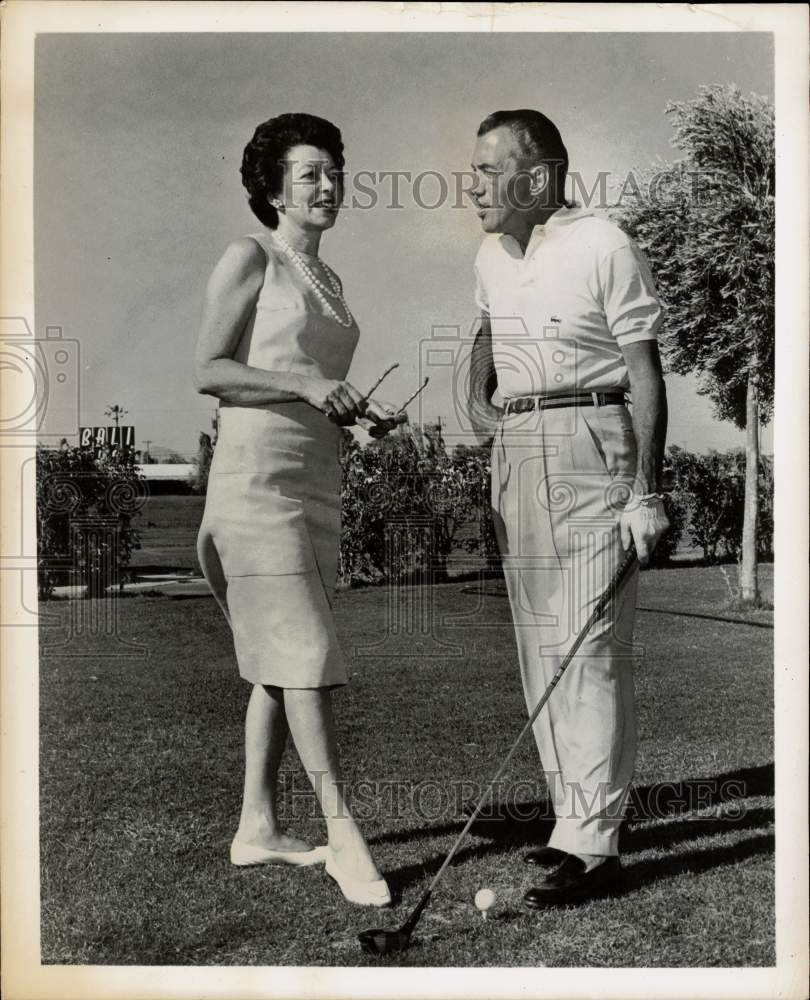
x: 644, y: 521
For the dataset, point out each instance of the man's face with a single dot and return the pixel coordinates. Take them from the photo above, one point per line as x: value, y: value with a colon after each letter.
x: 502, y: 193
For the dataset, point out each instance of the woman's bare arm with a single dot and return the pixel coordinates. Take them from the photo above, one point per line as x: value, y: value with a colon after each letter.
x: 230, y: 298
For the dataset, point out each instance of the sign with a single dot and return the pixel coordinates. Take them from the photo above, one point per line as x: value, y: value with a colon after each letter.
x: 107, y: 437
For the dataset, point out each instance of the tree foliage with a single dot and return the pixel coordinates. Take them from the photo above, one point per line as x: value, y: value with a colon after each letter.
x: 706, y: 224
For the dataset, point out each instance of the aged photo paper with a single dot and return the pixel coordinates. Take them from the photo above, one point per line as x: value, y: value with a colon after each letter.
x: 123, y: 126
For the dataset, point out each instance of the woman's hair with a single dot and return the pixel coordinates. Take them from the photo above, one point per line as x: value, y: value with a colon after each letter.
x: 537, y: 137
x: 263, y: 160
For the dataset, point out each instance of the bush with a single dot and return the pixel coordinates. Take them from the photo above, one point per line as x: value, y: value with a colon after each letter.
x: 765, y: 518
x: 85, y: 505
x: 711, y: 489
x: 404, y: 499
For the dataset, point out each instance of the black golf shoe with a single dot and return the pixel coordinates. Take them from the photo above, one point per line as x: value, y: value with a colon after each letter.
x: 545, y: 857
x: 571, y: 883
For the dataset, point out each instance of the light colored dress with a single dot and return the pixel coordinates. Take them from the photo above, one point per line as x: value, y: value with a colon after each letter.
x: 270, y: 535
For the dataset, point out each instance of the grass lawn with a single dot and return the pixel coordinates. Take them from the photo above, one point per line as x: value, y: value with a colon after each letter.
x: 141, y: 770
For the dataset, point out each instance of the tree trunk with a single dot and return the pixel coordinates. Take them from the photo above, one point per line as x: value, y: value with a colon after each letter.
x: 749, y: 583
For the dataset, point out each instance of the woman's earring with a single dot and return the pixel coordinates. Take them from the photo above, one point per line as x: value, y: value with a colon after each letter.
x: 277, y: 204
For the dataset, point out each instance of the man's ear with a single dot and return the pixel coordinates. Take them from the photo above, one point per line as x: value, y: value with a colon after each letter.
x: 539, y: 179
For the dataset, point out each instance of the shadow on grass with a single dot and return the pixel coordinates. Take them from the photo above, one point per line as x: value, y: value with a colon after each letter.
x: 507, y: 828
x: 635, y: 876
x: 709, y: 618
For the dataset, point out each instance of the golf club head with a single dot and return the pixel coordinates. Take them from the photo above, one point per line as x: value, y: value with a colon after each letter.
x: 382, y: 942
x: 379, y: 941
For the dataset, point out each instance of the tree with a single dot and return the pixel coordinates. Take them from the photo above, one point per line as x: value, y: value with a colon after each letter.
x: 117, y: 413
x: 706, y: 224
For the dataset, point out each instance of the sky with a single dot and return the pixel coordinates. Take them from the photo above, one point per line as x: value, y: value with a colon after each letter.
x: 138, y: 141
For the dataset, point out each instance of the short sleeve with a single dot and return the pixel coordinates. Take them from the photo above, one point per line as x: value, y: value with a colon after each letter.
x: 481, y: 297
x: 632, y: 307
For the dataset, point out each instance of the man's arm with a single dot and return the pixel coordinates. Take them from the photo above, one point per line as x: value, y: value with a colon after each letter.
x: 644, y: 519
x: 649, y: 412
x: 484, y: 416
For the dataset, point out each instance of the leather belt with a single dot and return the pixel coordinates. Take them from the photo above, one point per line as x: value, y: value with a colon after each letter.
x: 523, y: 404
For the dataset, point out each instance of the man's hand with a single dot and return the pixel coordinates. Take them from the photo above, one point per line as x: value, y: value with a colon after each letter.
x: 643, y: 521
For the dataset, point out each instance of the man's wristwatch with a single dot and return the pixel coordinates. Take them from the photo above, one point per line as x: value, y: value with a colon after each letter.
x: 646, y: 499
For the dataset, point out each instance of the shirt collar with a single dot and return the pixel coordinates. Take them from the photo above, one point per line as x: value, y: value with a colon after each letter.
x: 562, y: 217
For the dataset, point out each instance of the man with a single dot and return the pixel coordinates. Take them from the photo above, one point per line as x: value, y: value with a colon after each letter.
x: 569, y: 319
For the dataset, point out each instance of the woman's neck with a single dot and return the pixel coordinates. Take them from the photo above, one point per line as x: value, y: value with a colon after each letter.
x: 304, y: 240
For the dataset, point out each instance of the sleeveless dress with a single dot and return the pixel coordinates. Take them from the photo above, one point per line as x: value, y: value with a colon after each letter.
x: 270, y: 534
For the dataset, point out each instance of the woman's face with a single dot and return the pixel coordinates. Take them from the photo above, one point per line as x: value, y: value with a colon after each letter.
x: 313, y: 188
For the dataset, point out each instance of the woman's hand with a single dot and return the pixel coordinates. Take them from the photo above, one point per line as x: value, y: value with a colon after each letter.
x: 339, y: 400
x: 381, y: 418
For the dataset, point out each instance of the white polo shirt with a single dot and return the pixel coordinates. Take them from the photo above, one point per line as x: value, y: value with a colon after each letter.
x: 561, y: 313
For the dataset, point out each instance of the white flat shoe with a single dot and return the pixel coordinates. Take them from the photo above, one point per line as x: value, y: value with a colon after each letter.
x: 246, y: 854
x: 375, y: 893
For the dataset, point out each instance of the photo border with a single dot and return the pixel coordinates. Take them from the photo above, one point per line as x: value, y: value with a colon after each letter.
x: 23, y: 974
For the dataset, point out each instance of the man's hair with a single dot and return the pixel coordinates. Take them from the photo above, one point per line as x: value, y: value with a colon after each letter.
x: 537, y: 136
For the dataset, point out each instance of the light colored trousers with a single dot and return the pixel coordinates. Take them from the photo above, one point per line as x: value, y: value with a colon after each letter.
x: 559, y: 482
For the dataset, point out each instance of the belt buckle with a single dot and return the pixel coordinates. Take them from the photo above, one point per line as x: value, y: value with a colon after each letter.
x: 520, y: 404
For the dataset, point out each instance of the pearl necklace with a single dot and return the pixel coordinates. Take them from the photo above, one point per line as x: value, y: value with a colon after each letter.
x: 320, y: 289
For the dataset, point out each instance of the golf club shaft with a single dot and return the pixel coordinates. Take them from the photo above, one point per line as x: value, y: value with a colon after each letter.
x: 626, y: 565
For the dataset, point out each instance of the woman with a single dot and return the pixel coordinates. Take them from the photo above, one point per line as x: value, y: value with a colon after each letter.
x: 276, y: 342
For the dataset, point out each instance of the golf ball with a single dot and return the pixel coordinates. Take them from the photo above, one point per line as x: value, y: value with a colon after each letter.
x: 484, y: 898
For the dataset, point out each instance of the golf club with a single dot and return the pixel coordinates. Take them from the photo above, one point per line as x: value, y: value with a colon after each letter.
x: 379, y: 941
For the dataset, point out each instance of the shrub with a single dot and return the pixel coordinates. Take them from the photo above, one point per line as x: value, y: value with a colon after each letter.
x: 85, y: 505
x: 711, y: 488
x: 404, y: 500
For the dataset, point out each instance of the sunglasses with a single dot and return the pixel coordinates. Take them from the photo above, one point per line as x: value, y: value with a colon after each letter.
x: 379, y: 381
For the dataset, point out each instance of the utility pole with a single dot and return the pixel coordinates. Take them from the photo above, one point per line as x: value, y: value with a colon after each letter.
x: 439, y: 429
x: 147, y: 456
